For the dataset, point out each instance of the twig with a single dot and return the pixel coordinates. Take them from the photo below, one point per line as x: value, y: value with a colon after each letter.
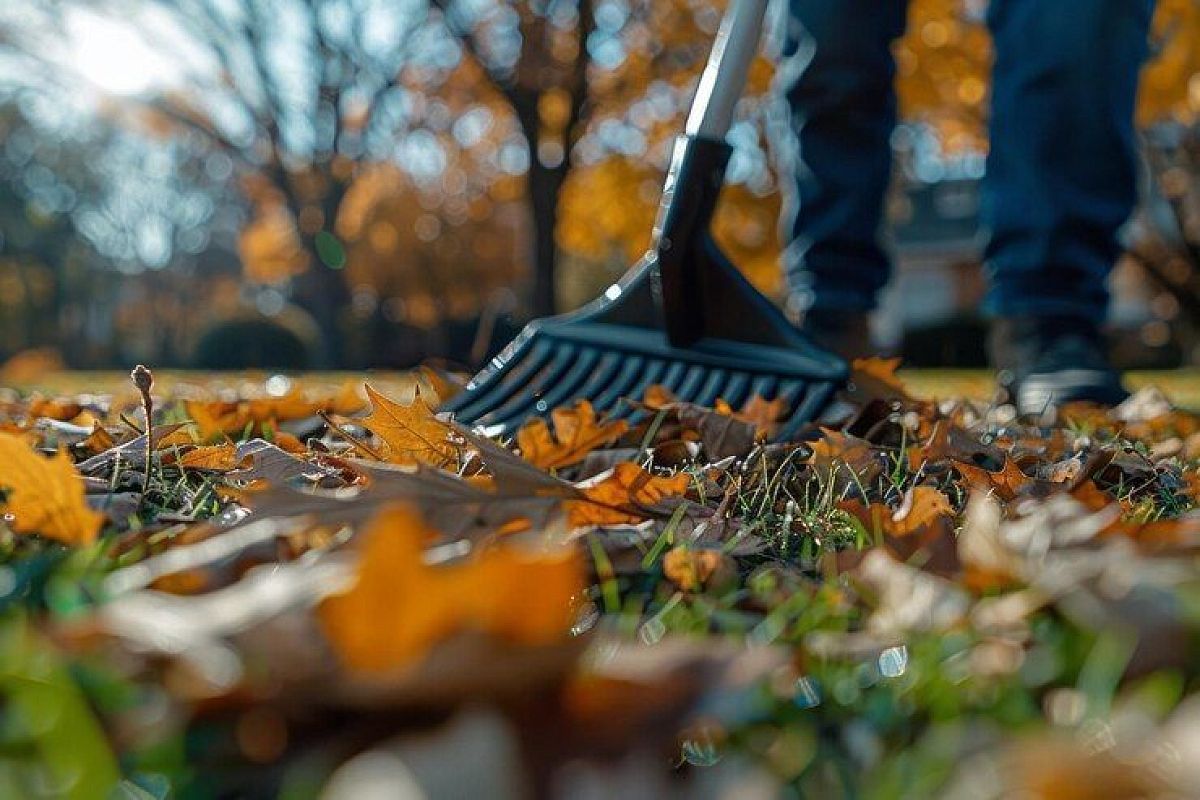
x: 143, y: 379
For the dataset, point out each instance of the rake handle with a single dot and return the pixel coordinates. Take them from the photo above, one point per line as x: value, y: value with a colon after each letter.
x: 682, y: 242
x: 724, y: 75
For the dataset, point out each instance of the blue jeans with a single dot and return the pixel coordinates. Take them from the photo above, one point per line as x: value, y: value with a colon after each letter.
x: 1061, y: 169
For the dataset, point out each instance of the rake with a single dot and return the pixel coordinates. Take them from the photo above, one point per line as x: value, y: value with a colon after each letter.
x: 683, y: 316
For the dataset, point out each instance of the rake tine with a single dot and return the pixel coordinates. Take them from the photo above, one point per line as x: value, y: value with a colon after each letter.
x: 581, y: 381
x: 652, y: 374
x: 531, y: 389
x: 539, y: 402
x: 712, y: 389
x: 807, y: 401
x: 763, y: 386
x: 498, y: 386
x: 690, y: 384
x: 617, y: 389
x: 735, y: 389
x: 673, y: 376
x: 669, y: 382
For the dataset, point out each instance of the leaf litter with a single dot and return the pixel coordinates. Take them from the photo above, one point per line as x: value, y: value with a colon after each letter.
x: 907, y: 598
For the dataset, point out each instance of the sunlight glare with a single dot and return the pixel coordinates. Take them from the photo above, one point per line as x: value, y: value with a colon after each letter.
x: 111, y: 55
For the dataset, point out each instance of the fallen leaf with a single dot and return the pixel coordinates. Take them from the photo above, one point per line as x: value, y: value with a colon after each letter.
x: 1006, y: 483
x: 657, y: 397
x: 693, y: 569
x: 618, y: 496
x: 98, y: 440
x: 45, y: 495
x: 765, y: 415
x: 398, y: 608
x: 412, y: 433
x: 576, y: 432
x: 722, y: 435
x: 215, y: 458
x: 923, y: 524
x: 875, y: 378
x: 59, y: 408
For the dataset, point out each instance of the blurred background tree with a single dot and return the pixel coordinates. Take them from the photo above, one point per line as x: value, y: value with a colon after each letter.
x: 389, y: 178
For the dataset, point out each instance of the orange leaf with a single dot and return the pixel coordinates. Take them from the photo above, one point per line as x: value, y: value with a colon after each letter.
x: 576, y: 433
x: 1006, y: 483
x: 98, y: 440
x: 215, y: 419
x: 59, y: 408
x: 765, y: 415
x: 922, y: 507
x: 876, y: 377
x: 218, y: 458
x: 923, y: 523
x: 412, y: 433
x: 399, y: 608
x: 45, y: 495
x: 614, y: 496
x: 657, y: 397
x: 692, y: 570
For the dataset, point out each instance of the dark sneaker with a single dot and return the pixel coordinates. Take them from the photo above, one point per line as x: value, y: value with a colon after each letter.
x: 846, y: 333
x: 1042, y: 362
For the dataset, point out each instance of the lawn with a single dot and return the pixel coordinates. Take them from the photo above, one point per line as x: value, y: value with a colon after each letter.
x: 295, y: 586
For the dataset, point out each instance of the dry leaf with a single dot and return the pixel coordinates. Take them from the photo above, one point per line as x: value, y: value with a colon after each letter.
x: 399, y: 608
x: 58, y: 408
x: 45, y: 495
x: 694, y: 569
x: 1007, y: 483
x: 412, y: 434
x: 875, y: 378
x: 577, y: 432
x: 217, y: 458
x: 657, y: 397
x: 98, y: 440
x: 614, y: 497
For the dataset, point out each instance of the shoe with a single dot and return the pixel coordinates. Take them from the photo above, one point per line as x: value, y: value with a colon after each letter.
x: 846, y: 333
x: 1042, y: 362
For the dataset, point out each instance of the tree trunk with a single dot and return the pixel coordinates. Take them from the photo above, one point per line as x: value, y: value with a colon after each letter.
x: 321, y: 290
x: 545, y: 187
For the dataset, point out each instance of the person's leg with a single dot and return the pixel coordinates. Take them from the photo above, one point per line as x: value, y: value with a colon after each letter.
x: 837, y: 78
x: 1061, y: 174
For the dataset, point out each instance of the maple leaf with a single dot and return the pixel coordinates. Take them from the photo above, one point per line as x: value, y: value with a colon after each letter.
x: 412, y: 433
x: 577, y: 432
x: 45, y: 495
x: 399, y: 608
x: 1007, y: 483
x: 836, y: 451
x: 923, y: 522
x: 616, y: 497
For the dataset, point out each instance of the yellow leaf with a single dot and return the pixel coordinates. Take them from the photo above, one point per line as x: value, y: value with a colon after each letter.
x: 412, y: 434
x: 220, y: 458
x: 45, y: 495
x: 399, y: 608
x: 692, y: 570
x: 576, y: 433
x: 614, y: 498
